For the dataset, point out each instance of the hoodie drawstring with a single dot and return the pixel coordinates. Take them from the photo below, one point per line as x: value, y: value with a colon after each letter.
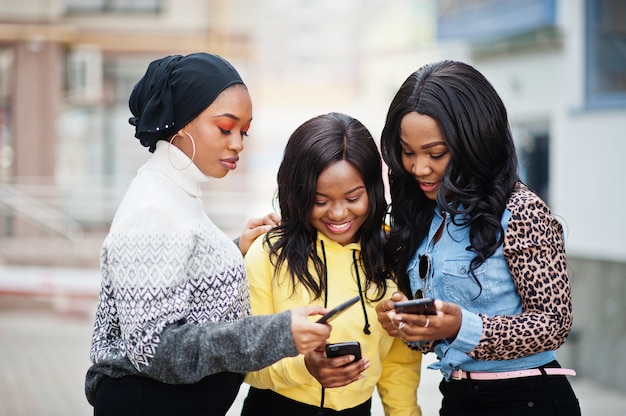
x: 366, y: 327
x: 325, y: 277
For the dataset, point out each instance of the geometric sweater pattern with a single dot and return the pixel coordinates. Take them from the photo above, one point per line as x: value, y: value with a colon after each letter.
x: 174, y: 302
x: 163, y: 262
x: 144, y: 297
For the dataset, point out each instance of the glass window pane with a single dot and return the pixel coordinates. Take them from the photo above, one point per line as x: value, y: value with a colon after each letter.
x: 138, y: 5
x: 85, y: 5
x: 151, y: 6
x: 606, y: 53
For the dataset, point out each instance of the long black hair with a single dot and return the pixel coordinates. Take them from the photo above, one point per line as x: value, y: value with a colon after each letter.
x: 311, y: 148
x: 483, y: 168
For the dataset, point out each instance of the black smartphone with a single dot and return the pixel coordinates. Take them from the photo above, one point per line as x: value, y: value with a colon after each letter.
x: 336, y: 311
x: 422, y: 306
x: 344, y: 348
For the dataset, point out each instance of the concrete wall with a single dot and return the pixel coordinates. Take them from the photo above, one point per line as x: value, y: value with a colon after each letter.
x: 598, y: 341
x: 38, y: 84
x: 31, y: 10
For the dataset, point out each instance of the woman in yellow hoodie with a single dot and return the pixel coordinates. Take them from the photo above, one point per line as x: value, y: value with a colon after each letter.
x: 327, y: 249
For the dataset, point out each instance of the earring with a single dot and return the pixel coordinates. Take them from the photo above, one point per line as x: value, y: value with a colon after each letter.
x: 193, y: 153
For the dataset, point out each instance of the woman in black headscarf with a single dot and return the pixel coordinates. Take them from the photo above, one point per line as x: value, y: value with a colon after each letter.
x: 172, y: 334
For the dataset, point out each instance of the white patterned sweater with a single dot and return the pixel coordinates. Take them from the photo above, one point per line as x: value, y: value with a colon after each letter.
x: 174, y: 291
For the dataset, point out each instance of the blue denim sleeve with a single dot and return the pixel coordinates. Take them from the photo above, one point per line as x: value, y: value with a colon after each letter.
x: 469, y: 334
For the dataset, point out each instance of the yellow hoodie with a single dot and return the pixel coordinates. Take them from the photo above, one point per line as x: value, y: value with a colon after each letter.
x: 394, y: 369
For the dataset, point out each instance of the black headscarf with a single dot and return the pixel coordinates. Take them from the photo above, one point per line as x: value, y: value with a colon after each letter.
x: 174, y: 90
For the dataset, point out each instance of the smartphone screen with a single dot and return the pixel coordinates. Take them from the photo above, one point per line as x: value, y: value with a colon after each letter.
x: 344, y: 348
x: 423, y: 306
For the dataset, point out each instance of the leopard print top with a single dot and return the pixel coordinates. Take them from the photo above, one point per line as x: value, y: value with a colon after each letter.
x: 535, y: 254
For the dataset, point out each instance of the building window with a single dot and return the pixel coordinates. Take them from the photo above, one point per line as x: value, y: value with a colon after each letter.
x: 114, y: 6
x: 7, y: 65
x: 606, y: 53
x: 488, y: 19
x: 533, y: 151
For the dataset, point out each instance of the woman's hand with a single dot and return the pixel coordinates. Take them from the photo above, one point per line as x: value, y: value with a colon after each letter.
x: 445, y: 324
x: 308, y: 335
x: 386, y: 313
x: 334, y: 372
x: 254, y: 228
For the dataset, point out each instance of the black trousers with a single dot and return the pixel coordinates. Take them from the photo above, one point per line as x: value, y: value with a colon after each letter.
x: 142, y: 396
x: 269, y: 403
x: 526, y: 396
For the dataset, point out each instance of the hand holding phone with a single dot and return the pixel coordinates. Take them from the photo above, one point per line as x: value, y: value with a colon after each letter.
x: 422, y: 306
x: 344, y: 348
x: 336, y: 311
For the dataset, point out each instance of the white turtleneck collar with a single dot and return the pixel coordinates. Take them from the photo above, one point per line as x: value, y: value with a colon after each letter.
x: 166, y: 156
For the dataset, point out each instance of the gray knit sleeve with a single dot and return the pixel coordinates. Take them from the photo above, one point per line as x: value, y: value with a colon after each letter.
x: 188, y: 352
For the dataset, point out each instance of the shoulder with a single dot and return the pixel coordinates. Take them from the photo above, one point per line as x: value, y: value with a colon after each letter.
x: 525, y: 205
x: 257, y: 245
x: 523, y: 198
x: 531, y: 220
x: 259, y: 248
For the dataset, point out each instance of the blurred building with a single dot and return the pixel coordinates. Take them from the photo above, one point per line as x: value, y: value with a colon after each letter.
x: 66, y: 71
x: 67, y: 68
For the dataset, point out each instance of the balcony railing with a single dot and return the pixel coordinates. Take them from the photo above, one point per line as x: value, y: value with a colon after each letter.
x: 72, y: 207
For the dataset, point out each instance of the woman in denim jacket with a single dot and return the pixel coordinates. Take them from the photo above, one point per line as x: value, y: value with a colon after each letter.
x: 467, y: 232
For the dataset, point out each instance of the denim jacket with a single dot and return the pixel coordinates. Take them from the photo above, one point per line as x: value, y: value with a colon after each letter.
x: 493, y: 312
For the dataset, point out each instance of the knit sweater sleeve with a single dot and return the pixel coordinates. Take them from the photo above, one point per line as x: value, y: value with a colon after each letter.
x: 145, y: 306
x: 189, y: 352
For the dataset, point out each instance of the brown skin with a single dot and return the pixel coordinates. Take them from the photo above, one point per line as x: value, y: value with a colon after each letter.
x: 411, y: 327
x: 425, y: 154
x: 334, y: 372
x: 256, y: 227
x: 341, y: 203
x: 308, y: 335
x: 218, y: 132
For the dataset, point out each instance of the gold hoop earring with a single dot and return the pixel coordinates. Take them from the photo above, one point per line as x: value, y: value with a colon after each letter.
x: 193, y: 153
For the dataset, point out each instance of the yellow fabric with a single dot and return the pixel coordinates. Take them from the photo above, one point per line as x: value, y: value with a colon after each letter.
x: 395, y: 369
